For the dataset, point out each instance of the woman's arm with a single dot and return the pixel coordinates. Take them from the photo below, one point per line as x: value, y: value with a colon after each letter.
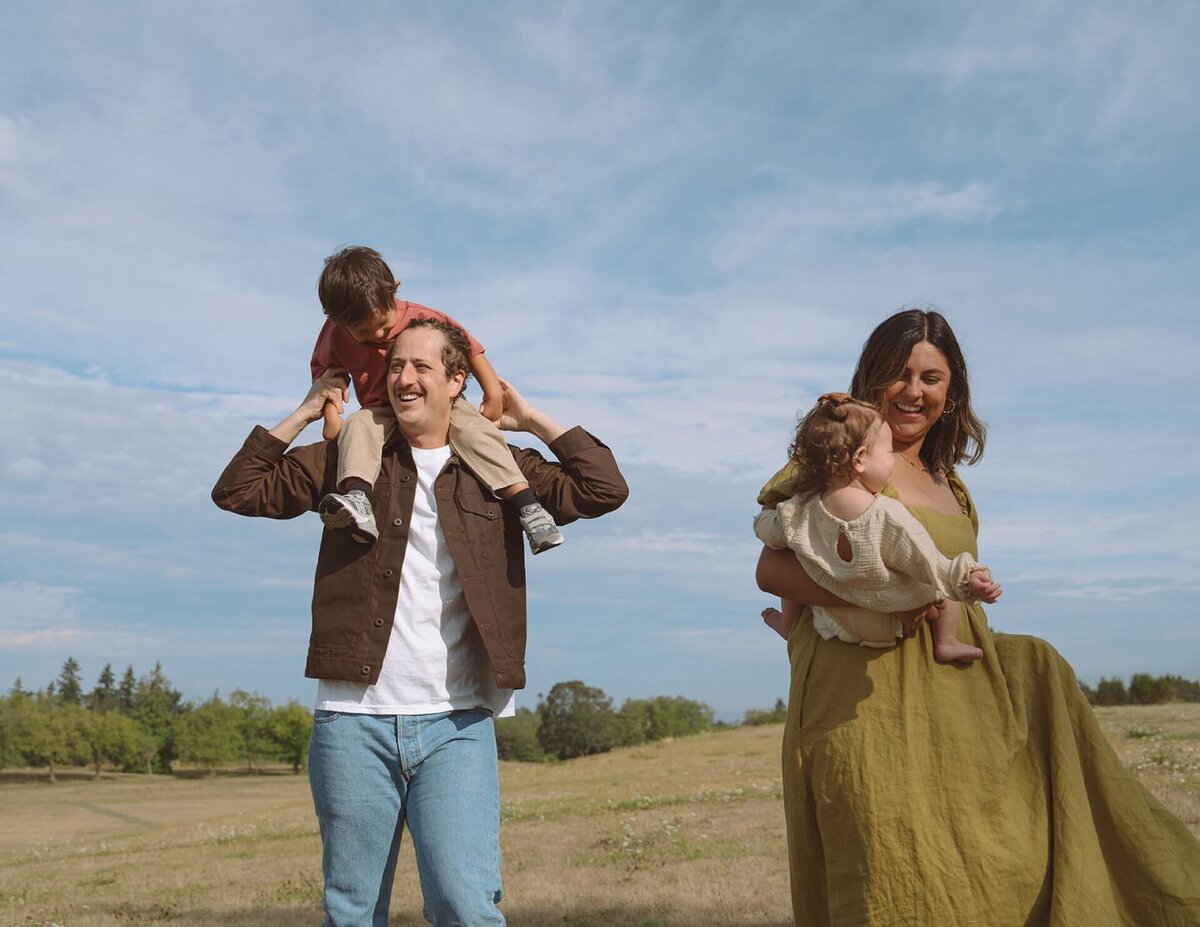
x: 780, y: 573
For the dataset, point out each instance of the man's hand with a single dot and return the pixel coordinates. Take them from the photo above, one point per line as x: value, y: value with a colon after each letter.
x: 913, y: 619
x: 981, y: 585
x: 329, y: 387
x: 519, y: 415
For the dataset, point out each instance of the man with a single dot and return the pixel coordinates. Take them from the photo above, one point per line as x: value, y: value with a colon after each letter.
x: 418, y: 641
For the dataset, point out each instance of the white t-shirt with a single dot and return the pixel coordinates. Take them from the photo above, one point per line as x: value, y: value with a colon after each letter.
x: 435, y: 660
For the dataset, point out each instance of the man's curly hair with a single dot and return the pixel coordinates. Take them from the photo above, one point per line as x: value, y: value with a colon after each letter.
x: 827, y: 438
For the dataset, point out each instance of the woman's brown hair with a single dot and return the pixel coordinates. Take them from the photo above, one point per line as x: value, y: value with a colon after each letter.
x: 959, y: 434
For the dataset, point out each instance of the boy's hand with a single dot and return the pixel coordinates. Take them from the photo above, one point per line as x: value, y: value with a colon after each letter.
x: 492, y: 407
x: 981, y: 585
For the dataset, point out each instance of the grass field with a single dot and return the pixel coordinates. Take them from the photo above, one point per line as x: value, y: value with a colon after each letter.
x: 681, y: 833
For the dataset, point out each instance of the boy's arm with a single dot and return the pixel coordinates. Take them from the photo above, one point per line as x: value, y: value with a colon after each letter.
x: 493, y: 393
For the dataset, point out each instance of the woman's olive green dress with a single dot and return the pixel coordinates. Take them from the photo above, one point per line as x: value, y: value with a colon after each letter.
x: 927, y: 794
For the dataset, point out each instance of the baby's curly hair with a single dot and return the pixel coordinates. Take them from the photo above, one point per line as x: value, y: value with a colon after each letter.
x: 827, y: 437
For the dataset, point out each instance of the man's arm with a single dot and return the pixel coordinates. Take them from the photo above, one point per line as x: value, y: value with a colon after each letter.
x: 584, y: 483
x: 262, y: 480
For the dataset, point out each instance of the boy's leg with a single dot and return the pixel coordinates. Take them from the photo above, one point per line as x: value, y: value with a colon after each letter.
x: 483, y: 449
x: 360, y: 448
x: 946, y: 645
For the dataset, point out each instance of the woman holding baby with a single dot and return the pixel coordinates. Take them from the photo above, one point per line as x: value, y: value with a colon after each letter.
x: 927, y: 792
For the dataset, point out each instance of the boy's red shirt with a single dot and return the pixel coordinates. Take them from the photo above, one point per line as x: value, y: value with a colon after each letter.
x: 365, y: 361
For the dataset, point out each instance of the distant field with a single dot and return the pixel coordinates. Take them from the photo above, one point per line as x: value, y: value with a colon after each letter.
x: 667, y: 835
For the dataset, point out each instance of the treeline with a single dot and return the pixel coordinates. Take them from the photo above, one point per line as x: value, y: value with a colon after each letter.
x: 1143, y: 689
x: 579, y: 720
x: 142, y: 724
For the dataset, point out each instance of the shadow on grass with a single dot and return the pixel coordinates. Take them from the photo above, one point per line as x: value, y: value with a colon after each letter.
x: 523, y: 916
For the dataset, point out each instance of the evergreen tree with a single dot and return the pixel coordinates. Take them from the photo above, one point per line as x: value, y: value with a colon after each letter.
x: 157, y: 708
x: 104, y: 696
x: 70, y: 688
x: 126, y: 691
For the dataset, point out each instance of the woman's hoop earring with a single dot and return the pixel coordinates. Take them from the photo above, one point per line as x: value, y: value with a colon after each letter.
x: 949, y: 407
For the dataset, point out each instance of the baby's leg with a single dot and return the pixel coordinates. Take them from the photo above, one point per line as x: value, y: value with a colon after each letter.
x: 946, y: 645
x: 360, y: 449
x: 782, y: 622
x: 483, y: 449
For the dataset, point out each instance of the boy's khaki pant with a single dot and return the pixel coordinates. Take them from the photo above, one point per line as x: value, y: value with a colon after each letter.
x: 478, y: 443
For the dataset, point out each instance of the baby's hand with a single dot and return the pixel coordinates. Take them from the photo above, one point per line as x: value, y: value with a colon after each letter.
x: 983, y: 587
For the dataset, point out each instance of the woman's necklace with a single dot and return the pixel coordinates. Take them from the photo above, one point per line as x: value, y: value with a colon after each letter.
x: 915, y: 466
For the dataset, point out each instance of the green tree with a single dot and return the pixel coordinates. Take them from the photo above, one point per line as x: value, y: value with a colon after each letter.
x: 70, y: 688
x: 111, y: 737
x: 211, y: 735
x: 290, y: 727
x: 55, y: 735
x: 517, y: 738
x: 676, y: 716
x: 776, y: 715
x: 576, y: 720
x: 633, y: 722
x: 1111, y: 692
x: 1145, y: 689
x: 254, y: 723
x: 157, y: 707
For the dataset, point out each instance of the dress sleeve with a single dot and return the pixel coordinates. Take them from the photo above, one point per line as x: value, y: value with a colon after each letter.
x: 768, y: 529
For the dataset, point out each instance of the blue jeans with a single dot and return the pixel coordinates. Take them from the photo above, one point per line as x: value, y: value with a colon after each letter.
x: 370, y: 774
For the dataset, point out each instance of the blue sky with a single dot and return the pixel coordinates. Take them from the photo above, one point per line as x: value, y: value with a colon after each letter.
x: 674, y: 224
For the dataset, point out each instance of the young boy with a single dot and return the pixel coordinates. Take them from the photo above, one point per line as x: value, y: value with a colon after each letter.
x: 358, y: 293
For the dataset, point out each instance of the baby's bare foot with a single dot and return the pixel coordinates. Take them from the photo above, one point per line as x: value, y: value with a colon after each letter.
x: 952, y: 651
x: 780, y: 623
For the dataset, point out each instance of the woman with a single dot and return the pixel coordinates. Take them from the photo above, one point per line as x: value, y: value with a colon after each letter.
x: 930, y: 794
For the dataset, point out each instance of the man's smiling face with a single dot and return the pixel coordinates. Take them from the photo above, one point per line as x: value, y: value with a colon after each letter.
x: 419, y: 390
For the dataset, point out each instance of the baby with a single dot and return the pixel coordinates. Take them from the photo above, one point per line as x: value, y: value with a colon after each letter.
x: 864, y: 547
x: 358, y: 294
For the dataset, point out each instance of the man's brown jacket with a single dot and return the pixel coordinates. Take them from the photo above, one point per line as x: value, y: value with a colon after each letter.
x: 354, y: 593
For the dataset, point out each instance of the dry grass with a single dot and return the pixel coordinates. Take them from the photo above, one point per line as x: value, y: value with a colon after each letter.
x: 666, y: 835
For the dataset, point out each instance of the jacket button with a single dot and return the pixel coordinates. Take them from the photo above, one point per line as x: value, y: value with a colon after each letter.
x: 491, y: 513
x: 405, y: 478
x: 397, y: 522
x: 387, y: 573
x: 378, y: 624
x: 366, y: 671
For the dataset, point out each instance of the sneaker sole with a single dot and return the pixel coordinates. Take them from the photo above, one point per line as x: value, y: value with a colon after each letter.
x: 547, y: 545
x: 335, y: 517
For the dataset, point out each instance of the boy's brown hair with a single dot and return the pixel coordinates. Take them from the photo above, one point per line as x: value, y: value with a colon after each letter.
x: 827, y: 437
x: 355, y: 286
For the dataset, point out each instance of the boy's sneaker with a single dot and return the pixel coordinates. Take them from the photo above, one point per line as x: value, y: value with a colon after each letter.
x: 540, y: 528
x: 350, y: 510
